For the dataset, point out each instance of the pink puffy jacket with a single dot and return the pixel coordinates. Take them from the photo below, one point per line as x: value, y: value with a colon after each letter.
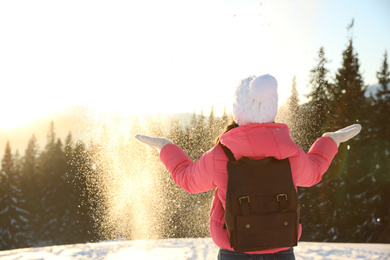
x: 255, y: 141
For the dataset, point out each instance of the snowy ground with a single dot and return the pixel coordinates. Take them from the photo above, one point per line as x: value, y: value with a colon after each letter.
x: 187, y: 249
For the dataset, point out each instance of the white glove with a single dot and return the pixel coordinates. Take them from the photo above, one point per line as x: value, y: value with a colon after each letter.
x: 154, y: 142
x: 344, y: 134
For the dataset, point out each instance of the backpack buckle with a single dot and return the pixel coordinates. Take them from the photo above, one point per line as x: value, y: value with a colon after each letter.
x: 245, y: 197
x: 281, y: 195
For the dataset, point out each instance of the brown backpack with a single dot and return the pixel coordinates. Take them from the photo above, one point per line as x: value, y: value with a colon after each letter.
x: 262, y: 205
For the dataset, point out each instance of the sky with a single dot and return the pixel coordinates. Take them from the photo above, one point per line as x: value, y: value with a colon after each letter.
x: 172, y: 56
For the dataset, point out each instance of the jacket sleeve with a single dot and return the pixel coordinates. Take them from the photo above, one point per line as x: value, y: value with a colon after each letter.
x: 316, y: 162
x: 193, y: 177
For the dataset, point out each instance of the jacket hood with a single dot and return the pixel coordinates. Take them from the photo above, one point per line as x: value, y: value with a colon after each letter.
x: 257, y: 141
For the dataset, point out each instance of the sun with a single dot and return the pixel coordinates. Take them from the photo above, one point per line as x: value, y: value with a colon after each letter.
x: 15, y: 120
x: 19, y: 117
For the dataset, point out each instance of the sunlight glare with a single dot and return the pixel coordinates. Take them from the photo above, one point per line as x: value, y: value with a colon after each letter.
x: 22, y: 116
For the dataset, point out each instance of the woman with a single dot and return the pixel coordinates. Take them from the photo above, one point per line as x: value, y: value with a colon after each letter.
x: 252, y: 134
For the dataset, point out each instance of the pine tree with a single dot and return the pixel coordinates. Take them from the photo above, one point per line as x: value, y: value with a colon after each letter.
x: 348, y: 92
x: 85, y: 194
x: 189, y: 213
x: 293, y: 119
x: 376, y: 150
x: 13, y: 216
x: 382, y: 101
x: 71, y: 233
x: 53, y: 169
x: 30, y: 180
x: 176, y: 132
x: 293, y: 103
x: 319, y: 114
x: 200, y: 135
x: 332, y: 212
x: 313, y: 201
x: 189, y: 204
x: 346, y: 177
x: 224, y: 119
x: 212, y: 128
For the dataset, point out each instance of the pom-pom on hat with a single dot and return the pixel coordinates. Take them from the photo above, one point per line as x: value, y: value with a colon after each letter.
x: 256, y: 100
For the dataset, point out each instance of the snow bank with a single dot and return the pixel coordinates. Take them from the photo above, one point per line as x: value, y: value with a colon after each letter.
x: 187, y: 249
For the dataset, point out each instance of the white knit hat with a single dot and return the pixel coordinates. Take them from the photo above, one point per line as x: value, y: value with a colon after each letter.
x: 256, y: 100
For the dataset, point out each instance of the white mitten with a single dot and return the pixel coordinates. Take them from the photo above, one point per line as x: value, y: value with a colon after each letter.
x: 154, y: 142
x: 344, y: 134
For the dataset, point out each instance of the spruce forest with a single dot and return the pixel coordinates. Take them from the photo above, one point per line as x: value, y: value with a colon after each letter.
x: 47, y: 196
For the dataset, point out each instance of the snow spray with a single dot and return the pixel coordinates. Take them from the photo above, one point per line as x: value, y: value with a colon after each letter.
x: 130, y: 205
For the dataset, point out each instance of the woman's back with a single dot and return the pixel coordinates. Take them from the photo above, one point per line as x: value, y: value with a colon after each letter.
x: 255, y: 141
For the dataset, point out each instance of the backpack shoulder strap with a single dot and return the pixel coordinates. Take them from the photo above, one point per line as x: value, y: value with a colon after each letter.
x: 228, y: 153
